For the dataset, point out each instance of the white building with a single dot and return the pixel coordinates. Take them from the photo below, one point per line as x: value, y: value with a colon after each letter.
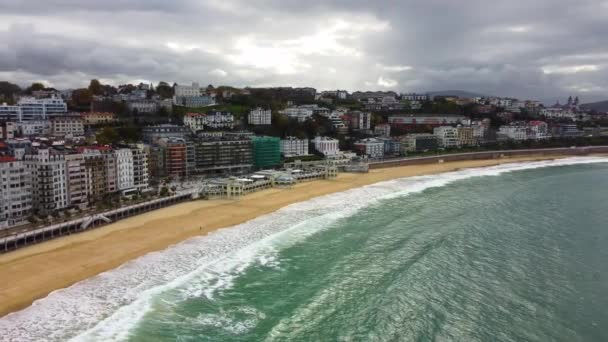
x: 260, y: 116
x: 514, y: 132
x: 195, y: 121
x: 30, y: 108
x: 34, y: 128
x: 124, y: 169
x: 327, y: 146
x: 15, y: 192
x: 383, y: 130
x: 372, y: 148
x: 142, y: 106
x: 415, y: 97
x: 49, y: 180
x: 447, y: 136
x: 299, y: 113
x: 538, y: 130
x: 220, y: 120
x: 188, y: 91
x: 293, y: 147
x: 67, y: 126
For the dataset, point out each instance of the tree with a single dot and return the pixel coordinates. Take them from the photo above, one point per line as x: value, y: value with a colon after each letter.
x: 82, y: 97
x: 107, y: 136
x: 164, y: 90
x: 164, y: 191
x: 36, y: 86
x: 7, y: 90
x: 95, y: 87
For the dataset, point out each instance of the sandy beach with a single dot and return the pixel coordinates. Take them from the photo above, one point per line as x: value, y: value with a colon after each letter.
x: 33, y: 272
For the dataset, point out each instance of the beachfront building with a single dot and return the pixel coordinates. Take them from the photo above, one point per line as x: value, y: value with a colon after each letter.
x: 223, y: 155
x: 538, y: 130
x: 31, y: 108
x: 140, y: 167
x: 327, y: 146
x: 372, y: 148
x: 293, y: 147
x: 420, y: 142
x: 15, y: 192
x: 447, y: 136
x: 176, y: 157
x: 124, y: 169
x: 71, y: 126
x: 49, y: 180
x: 466, y: 136
x: 217, y: 119
x: 383, y: 130
x: 514, y: 132
x: 260, y: 116
x: 266, y: 152
x: 76, y: 180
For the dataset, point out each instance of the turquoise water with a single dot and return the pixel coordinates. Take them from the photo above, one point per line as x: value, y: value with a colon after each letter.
x: 521, y: 257
x: 511, y: 253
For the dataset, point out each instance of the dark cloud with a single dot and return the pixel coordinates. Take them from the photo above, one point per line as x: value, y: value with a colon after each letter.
x: 536, y: 48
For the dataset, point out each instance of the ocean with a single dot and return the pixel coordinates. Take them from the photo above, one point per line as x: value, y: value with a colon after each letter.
x: 516, y: 252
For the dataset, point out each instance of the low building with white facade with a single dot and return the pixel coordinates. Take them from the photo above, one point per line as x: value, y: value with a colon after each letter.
x: 514, y: 132
x: 15, y: 192
x: 372, y: 148
x: 447, y: 136
x: 383, y: 130
x: 327, y: 146
x: 299, y: 113
x: 260, y: 116
x: 293, y: 147
x: 34, y: 128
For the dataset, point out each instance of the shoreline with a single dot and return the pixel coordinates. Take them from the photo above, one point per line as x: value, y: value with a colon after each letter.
x: 35, y: 271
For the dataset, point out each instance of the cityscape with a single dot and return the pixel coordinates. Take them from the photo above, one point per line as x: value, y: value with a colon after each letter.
x: 324, y: 170
x: 63, y: 152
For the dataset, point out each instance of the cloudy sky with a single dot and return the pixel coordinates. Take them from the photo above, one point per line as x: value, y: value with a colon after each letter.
x: 525, y: 48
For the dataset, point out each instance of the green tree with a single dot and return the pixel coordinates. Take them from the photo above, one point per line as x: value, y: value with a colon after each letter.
x: 8, y: 90
x: 34, y: 87
x: 164, y: 90
x: 95, y: 87
x: 82, y: 97
x: 107, y: 136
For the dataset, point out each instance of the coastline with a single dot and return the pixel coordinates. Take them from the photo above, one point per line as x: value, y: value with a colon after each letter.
x: 33, y: 272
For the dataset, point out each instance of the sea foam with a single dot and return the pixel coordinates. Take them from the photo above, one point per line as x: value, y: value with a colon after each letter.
x: 106, y: 307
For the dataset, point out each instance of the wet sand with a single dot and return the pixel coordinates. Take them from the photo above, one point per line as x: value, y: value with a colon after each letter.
x: 33, y: 272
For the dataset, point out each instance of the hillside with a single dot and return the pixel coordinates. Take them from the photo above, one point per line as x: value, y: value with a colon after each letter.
x: 459, y: 93
x: 601, y: 106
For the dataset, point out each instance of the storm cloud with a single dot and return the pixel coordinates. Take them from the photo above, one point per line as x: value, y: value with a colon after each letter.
x: 540, y: 49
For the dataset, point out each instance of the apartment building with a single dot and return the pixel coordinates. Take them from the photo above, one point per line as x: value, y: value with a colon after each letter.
x: 62, y: 126
x: 383, y: 130
x: 49, y: 180
x: 98, y: 118
x: 447, y: 136
x: 466, y: 136
x: 176, y: 157
x: 260, y: 116
x: 15, y: 192
x: 151, y: 134
x: 298, y: 113
x: 420, y: 142
x: 125, y: 178
x: 140, y: 167
x: 359, y: 120
x: 293, y: 147
x: 372, y: 148
x: 217, y: 155
x: 76, y: 180
x: 31, y: 108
